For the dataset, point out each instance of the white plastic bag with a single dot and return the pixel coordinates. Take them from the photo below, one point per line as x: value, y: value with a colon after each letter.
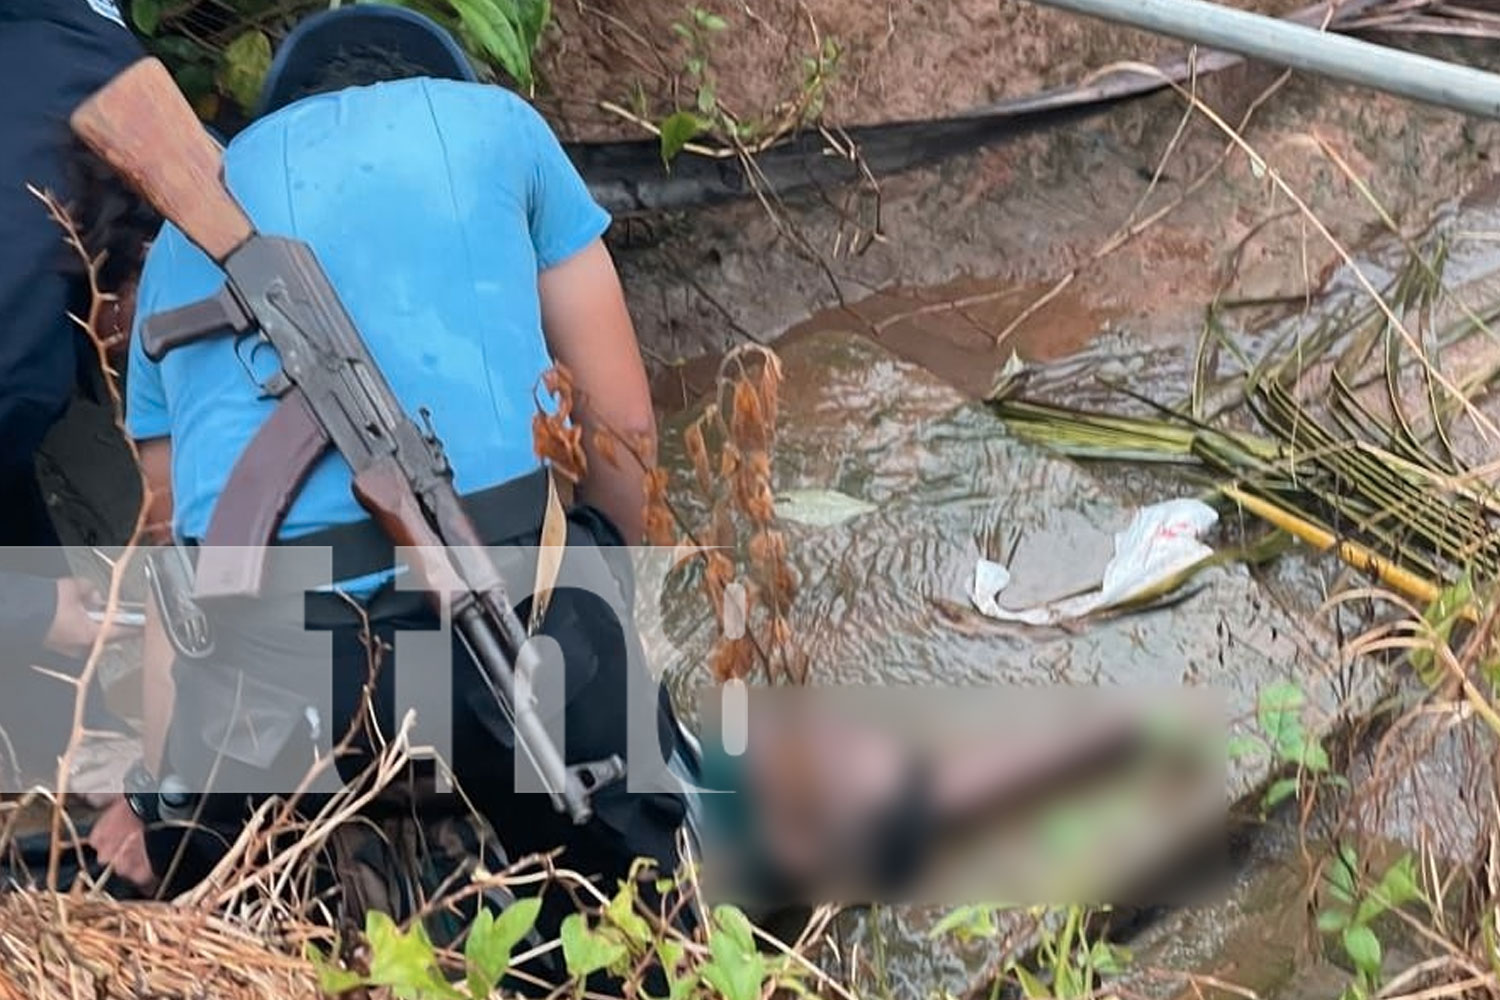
x: 1161, y: 541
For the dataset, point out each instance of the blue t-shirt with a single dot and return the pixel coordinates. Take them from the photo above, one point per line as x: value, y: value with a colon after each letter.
x: 432, y: 205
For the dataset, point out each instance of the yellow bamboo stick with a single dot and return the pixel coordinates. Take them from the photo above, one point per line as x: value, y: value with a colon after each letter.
x: 1397, y: 577
x: 1387, y: 572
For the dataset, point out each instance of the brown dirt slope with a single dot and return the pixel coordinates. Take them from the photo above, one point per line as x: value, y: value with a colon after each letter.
x: 902, y: 59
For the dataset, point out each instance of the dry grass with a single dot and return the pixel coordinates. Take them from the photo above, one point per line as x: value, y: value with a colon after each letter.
x: 70, y: 946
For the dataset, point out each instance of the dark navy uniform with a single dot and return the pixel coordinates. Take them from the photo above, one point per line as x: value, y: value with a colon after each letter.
x: 53, y: 55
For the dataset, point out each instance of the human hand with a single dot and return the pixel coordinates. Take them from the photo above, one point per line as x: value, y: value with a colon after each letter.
x: 119, y: 841
x: 74, y: 631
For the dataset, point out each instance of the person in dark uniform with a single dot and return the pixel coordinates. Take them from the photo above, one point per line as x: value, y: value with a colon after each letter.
x: 53, y: 55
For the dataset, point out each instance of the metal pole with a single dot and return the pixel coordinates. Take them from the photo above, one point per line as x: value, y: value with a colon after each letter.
x: 1339, y: 57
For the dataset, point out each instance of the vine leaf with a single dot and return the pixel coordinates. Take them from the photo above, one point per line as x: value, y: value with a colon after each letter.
x: 677, y: 131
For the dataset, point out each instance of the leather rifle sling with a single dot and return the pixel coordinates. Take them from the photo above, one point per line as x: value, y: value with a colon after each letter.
x: 262, y: 485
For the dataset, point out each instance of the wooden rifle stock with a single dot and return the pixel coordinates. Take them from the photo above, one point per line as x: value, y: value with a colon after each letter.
x: 141, y: 124
x: 383, y: 491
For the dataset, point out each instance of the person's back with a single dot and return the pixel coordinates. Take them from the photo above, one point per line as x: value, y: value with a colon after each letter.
x: 433, y: 205
x: 468, y: 253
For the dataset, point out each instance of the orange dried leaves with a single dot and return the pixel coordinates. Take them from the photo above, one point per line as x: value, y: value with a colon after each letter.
x: 554, y: 437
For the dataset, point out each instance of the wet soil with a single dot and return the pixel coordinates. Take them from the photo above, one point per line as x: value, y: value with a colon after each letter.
x: 965, y: 247
x: 965, y: 53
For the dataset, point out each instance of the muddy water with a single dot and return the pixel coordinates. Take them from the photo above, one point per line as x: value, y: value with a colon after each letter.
x: 964, y: 330
x: 885, y: 595
x: 887, y: 416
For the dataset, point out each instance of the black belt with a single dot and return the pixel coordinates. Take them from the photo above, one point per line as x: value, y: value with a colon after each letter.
x: 500, y: 513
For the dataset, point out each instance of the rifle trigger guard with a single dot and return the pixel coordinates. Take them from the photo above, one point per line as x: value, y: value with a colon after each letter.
x: 273, y: 386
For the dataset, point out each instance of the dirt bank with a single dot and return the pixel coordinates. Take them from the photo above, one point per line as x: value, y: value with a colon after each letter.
x: 940, y: 261
x: 900, y: 60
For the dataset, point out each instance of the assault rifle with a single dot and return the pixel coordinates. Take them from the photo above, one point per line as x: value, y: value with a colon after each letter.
x: 330, y: 393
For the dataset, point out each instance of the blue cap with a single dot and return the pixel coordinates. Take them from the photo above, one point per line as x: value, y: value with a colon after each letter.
x: 323, y: 37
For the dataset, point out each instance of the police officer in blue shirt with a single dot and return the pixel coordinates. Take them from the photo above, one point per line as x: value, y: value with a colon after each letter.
x: 469, y: 254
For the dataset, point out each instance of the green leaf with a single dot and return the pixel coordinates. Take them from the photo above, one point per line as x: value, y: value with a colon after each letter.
x: 1309, y: 753
x: 405, y: 962
x: 676, y: 132
x: 1283, y: 696
x: 244, y: 66
x: 967, y: 923
x: 671, y: 953
x: 1030, y: 985
x: 586, y: 951
x: 497, y: 37
x: 1399, y: 885
x: 736, y: 969
x: 621, y: 913
x: 533, y: 16
x: 1278, y: 710
x: 178, y: 51
x: 1363, y: 948
x: 147, y: 15
x: 707, y: 99
x: 682, y: 987
x: 1330, y: 921
x: 1340, y: 874
x: 732, y: 921
x: 1279, y: 713
x: 333, y: 979
x: 492, y: 939
x: 709, y: 20
x: 1106, y: 958
x: 196, y: 80
x: 791, y: 980
x: 1245, y: 746
x: 1442, y: 615
x: 1279, y: 792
